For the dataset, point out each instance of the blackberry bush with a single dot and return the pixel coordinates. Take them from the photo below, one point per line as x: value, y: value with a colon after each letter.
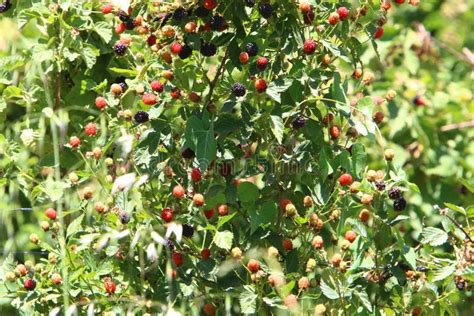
x: 228, y: 200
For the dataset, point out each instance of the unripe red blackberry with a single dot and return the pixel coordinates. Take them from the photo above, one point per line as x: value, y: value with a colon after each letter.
x: 260, y: 85
x: 309, y: 47
x: 262, y: 63
x: 343, y: 13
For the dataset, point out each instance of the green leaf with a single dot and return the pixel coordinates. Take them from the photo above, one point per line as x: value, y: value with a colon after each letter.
x: 224, y: 239
x: 359, y: 158
x: 248, y: 192
x: 444, y: 272
x: 75, y: 226
x: 328, y: 291
x: 409, y: 255
x: 277, y: 87
x: 89, y: 54
x: 206, y: 147
x: 104, y: 30
x: 456, y: 208
x: 277, y: 127
x: 248, y: 300
x: 434, y: 236
x: 469, y: 184
x: 324, y: 165
x: 225, y: 219
x: 124, y: 72
x: 364, y: 298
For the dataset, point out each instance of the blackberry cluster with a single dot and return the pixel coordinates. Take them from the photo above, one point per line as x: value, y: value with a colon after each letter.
x: 188, y: 231
x: 380, y: 185
x: 265, y: 10
x: 120, y: 49
x: 238, y: 89
x: 179, y: 14
x: 298, y: 122
x: 124, y: 217
x: 201, y: 12
x: 251, y: 49
x: 185, y: 52
x: 208, y: 49
x: 216, y: 22
x: 5, y: 6
x: 123, y: 85
x: 141, y: 117
x: 395, y: 193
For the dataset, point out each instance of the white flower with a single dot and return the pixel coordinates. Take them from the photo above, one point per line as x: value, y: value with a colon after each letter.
x: 28, y: 136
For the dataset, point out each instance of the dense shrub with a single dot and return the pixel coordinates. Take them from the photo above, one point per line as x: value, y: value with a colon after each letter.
x: 213, y: 157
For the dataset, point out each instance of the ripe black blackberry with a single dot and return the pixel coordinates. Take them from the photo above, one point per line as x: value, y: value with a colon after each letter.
x: 169, y: 244
x: 216, y: 22
x: 380, y: 185
x: 201, y: 12
x: 208, y: 49
x: 141, y: 117
x: 395, y: 193
x: 238, y: 89
x: 188, y: 153
x: 179, y: 14
x: 129, y: 24
x: 188, y: 230
x: 251, y: 49
x: 399, y: 204
x: 5, y: 6
x: 123, y: 16
x: 123, y: 85
x: 265, y: 10
x: 185, y: 52
x: 124, y: 217
x: 298, y: 122
x: 249, y: 3
x: 120, y: 49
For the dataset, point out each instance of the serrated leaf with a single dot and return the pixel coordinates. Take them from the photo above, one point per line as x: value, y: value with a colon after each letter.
x: 224, y: 239
x: 75, y: 226
x: 364, y: 298
x: 277, y: 127
x: 104, y: 30
x: 434, y: 236
x: 444, y: 272
x: 328, y: 291
x: 248, y: 300
x: 277, y: 87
